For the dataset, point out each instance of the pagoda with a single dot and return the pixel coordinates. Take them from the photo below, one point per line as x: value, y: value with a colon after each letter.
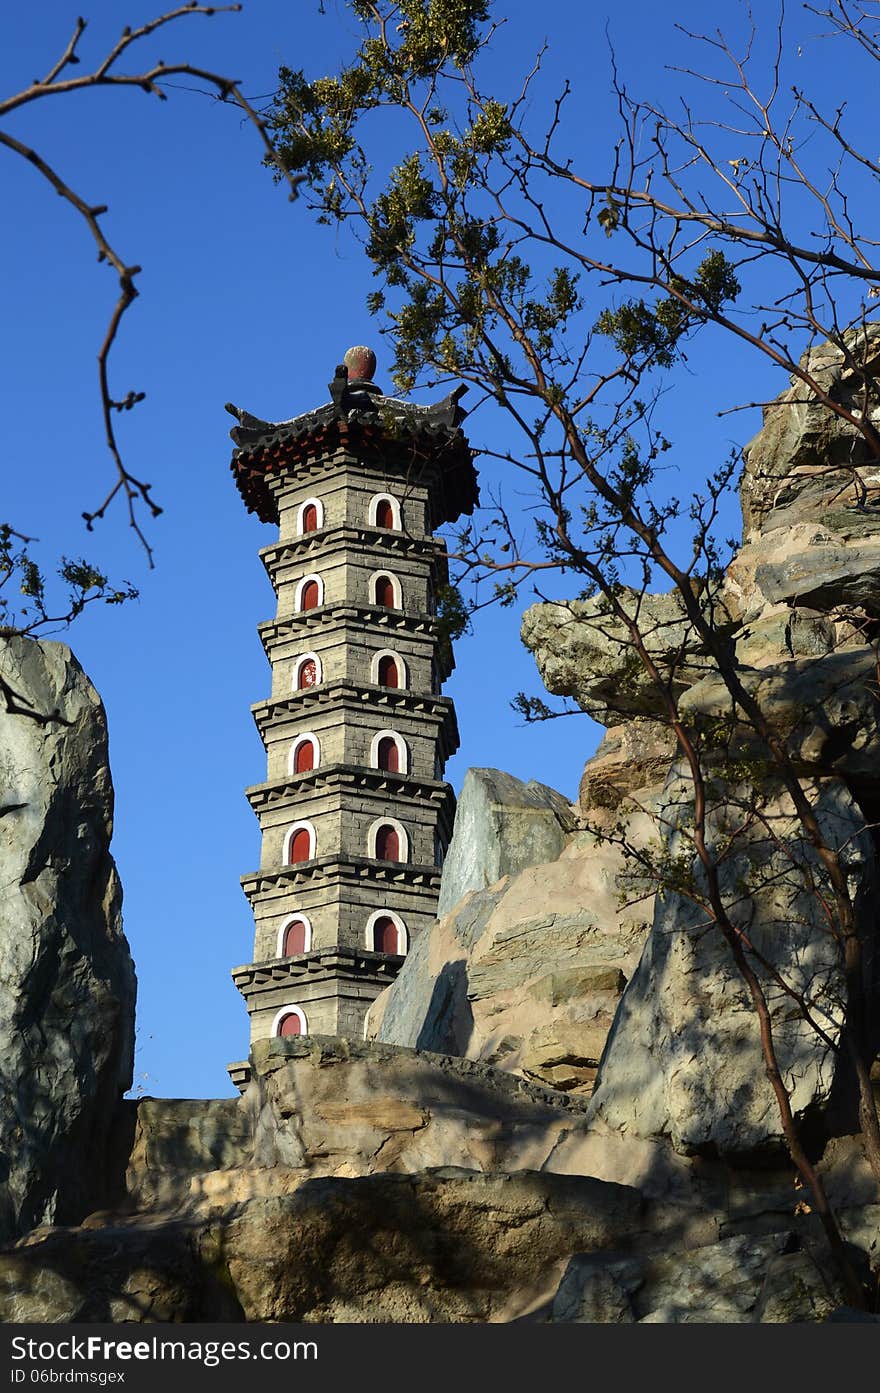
x: 355, y: 813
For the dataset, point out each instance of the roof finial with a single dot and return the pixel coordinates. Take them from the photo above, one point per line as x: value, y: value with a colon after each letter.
x: 361, y: 363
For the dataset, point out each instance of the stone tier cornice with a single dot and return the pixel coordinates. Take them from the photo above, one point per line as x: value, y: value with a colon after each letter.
x: 329, y: 541
x: 340, y: 869
x: 381, y: 702
x: 321, y: 965
x: 361, y: 619
x: 359, y: 778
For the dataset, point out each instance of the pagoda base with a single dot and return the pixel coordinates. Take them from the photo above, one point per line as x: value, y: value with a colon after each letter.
x: 240, y: 1073
x: 332, y: 988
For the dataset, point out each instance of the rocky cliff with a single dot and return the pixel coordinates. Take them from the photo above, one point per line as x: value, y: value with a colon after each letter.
x: 67, y: 984
x: 797, y: 609
x: 565, y: 962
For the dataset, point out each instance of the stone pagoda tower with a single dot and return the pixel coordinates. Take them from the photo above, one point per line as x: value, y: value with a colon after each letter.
x: 355, y: 814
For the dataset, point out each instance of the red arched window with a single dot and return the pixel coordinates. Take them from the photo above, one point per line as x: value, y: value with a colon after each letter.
x: 388, y: 675
x: 304, y: 759
x: 388, y: 755
x: 310, y: 518
x: 310, y: 595
x: 290, y: 1025
x: 387, y: 843
x: 385, y: 592
x: 385, y: 936
x: 300, y: 846
x: 384, y: 513
x: 294, y: 938
x: 308, y: 674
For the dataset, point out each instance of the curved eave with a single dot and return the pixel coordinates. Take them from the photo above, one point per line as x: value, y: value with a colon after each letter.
x: 346, y: 870
x: 361, y: 780
x: 382, y: 702
x: 360, y: 618
x: 283, y: 447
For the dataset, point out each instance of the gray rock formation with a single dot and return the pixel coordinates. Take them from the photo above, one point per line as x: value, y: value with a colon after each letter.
x: 683, y: 1056
x: 342, y: 1107
x: 791, y: 460
x: 526, y: 974
x: 826, y: 707
x: 67, y: 984
x: 527, y: 969
x: 584, y: 652
x: 741, y: 1280
x: 797, y: 609
x: 365, y: 1183
x: 502, y: 825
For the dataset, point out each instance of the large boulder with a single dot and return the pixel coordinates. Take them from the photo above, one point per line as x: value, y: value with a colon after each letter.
x: 683, y: 1058
x: 527, y: 973
x: 502, y: 825
x: 441, y: 1245
x: 321, y: 1106
x: 809, y: 494
x: 823, y: 563
x: 742, y: 1279
x: 585, y: 652
x: 342, y: 1107
x: 171, y: 1150
x: 67, y: 984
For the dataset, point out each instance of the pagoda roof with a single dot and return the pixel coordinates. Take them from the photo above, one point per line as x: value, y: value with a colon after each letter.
x: 358, y: 416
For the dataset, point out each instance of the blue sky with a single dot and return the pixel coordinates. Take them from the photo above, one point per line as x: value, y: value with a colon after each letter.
x: 243, y: 298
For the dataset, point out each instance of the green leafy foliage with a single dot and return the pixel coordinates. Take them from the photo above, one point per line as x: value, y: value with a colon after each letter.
x: 451, y: 614
x: 656, y: 331
x: 24, y: 608
x: 409, y: 199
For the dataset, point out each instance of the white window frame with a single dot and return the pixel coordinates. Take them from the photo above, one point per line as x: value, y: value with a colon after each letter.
x: 300, y: 515
x: 290, y: 1010
x: 402, y: 749
x: 402, y: 934
x: 384, y: 573
x: 300, y: 587
x: 401, y: 668
x: 300, y: 740
x: 285, y: 925
x: 373, y: 509
x: 297, y: 668
x: 402, y: 837
x: 291, y: 833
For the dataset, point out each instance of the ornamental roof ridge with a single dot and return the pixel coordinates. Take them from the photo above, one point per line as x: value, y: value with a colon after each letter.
x: 360, y: 402
x: 268, y: 447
